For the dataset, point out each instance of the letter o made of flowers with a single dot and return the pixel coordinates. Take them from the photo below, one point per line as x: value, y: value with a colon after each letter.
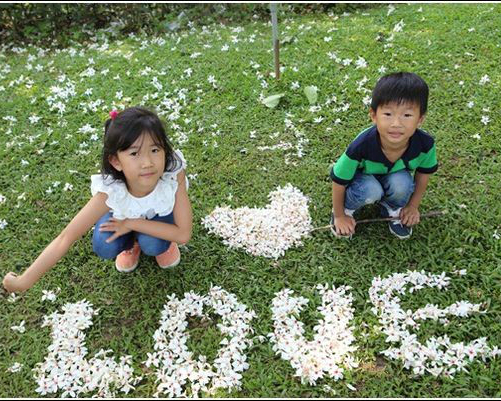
x: 176, y: 366
x: 330, y: 352
x: 438, y: 356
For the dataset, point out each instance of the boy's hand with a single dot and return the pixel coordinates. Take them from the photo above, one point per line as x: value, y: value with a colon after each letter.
x: 13, y: 283
x: 409, y: 215
x: 118, y: 226
x: 345, y: 225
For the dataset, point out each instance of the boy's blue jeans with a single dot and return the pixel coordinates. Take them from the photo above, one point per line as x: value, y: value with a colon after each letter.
x: 149, y: 245
x: 392, y: 191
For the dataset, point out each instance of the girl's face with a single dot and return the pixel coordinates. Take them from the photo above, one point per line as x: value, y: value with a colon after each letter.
x: 142, y: 164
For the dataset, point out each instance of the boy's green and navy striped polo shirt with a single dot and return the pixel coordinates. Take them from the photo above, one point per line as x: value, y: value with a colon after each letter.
x: 364, y: 154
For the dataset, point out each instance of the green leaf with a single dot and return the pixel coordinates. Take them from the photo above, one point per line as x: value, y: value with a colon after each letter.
x: 272, y: 101
x: 311, y: 94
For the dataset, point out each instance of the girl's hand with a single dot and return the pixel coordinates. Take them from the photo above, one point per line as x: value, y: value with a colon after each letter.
x: 409, y: 215
x: 118, y: 226
x: 13, y: 283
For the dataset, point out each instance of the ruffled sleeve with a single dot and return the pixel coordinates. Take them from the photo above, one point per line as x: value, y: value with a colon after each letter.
x: 116, y: 191
x: 173, y: 174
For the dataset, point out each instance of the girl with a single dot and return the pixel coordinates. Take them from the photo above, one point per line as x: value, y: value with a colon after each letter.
x: 139, y: 202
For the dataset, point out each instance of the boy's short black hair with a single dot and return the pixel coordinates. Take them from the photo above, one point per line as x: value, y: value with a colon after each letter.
x: 400, y: 87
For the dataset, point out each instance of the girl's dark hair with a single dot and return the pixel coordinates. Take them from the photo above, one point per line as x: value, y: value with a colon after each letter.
x: 401, y: 87
x: 128, y: 125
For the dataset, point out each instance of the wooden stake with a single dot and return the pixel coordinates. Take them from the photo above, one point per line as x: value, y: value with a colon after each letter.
x: 276, y: 43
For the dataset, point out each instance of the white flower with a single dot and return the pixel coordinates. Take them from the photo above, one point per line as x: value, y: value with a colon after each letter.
x: 21, y: 329
x: 34, y: 119
x: 89, y: 72
x: 212, y: 80
x: 398, y: 27
x: 16, y: 367
x: 334, y: 56
x: 361, y: 63
x: 48, y: 295
x: 470, y: 104
x: 295, y: 85
x: 485, y: 120
x: 3, y: 224
x: 87, y: 129
x: 484, y: 80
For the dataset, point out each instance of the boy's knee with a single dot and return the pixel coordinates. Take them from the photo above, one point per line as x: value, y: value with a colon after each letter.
x: 401, y: 185
x: 373, y: 192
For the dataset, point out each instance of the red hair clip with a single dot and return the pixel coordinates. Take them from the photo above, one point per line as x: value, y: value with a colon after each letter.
x: 113, y: 114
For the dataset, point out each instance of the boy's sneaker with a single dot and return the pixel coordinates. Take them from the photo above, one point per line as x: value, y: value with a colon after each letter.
x: 128, y: 260
x: 333, y: 229
x: 396, y: 227
x: 170, y: 258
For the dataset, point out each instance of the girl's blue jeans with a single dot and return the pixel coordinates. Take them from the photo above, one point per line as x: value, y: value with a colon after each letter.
x: 393, y: 191
x: 149, y: 245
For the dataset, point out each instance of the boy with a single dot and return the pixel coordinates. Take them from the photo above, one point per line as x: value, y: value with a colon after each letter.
x: 377, y: 165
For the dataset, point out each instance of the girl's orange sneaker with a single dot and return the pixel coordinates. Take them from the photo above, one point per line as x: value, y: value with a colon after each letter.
x: 128, y: 260
x: 170, y: 258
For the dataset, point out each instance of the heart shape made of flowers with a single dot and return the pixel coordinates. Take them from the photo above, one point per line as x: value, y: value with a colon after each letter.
x: 267, y: 231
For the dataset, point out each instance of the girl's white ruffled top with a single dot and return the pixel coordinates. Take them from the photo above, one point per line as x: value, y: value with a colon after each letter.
x: 126, y: 206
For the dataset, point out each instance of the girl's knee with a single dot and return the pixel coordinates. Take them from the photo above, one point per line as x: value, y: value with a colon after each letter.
x: 152, y: 246
x: 106, y: 250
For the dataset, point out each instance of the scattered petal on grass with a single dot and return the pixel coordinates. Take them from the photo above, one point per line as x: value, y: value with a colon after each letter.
x: 20, y: 329
x: 14, y: 368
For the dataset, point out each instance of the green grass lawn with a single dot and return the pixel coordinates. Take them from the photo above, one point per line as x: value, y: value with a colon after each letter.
x: 219, y: 127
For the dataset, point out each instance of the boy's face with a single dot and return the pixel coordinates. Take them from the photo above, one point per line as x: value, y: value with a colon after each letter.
x: 396, y: 123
